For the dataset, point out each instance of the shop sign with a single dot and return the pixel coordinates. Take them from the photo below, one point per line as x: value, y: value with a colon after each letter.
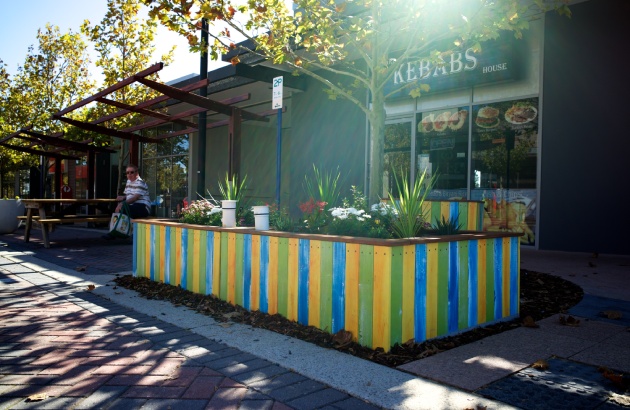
x: 496, y: 62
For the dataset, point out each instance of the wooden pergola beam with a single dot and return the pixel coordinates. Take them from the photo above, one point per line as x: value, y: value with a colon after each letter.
x: 105, y: 131
x: 151, y: 70
x: 77, y: 146
x: 197, y: 100
x: 149, y: 103
x: 37, y: 152
x: 146, y: 112
x: 149, y: 124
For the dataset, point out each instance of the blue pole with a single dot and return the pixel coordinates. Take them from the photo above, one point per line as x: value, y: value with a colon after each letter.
x: 278, y: 155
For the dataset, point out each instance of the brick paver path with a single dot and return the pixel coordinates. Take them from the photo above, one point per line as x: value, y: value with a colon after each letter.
x: 67, y: 348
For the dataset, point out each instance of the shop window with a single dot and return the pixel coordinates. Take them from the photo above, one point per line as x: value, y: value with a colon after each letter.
x: 503, y: 166
x: 397, y: 157
x: 165, y: 169
x: 442, y: 150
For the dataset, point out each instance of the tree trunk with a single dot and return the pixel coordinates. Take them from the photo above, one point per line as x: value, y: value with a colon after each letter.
x: 377, y: 140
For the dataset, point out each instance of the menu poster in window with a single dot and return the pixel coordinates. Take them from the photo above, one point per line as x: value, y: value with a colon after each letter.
x: 506, y: 115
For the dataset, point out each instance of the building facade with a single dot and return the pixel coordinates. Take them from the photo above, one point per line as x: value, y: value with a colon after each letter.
x: 533, y: 128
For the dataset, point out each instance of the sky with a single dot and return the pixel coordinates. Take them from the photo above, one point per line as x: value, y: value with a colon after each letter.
x: 20, y: 20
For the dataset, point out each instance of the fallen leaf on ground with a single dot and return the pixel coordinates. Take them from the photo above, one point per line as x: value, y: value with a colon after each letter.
x: 230, y: 315
x: 342, y: 337
x: 37, y: 397
x: 225, y: 325
x: 569, y: 321
x: 91, y: 287
x: 540, y: 364
x: 529, y: 321
x: 80, y: 268
x: 611, y: 314
x: 622, y: 399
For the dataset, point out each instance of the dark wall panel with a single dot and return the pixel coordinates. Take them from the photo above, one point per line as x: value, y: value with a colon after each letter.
x: 585, y: 187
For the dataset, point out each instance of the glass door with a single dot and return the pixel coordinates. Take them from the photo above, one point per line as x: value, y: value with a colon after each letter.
x: 397, y: 156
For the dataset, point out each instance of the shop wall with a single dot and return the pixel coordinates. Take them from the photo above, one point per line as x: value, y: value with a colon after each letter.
x: 327, y: 133
x: 584, y: 164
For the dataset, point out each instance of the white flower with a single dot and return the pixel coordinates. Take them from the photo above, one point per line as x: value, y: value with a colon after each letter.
x: 216, y: 210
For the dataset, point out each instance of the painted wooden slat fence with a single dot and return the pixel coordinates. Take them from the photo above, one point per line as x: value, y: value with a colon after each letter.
x: 384, y: 292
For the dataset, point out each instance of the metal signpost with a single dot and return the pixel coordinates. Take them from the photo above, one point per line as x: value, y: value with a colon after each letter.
x: 276, y: 103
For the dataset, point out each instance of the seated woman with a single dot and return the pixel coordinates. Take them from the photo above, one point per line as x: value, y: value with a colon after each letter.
x: 136, y: 195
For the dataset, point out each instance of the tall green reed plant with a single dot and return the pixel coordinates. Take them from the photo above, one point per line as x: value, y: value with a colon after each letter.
x: 233, y: 188
x: 323, y: 186
x: 410, y: 219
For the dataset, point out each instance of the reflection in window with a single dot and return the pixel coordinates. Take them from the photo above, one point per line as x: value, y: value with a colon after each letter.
x: 503, y: 173
x: 442, y: 149
x: 166, y: 168
x: 397, y: 157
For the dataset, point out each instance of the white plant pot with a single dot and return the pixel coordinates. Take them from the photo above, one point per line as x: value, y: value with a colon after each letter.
x: 228, y: 218
x: 261, y: 217
x: 10, y: 209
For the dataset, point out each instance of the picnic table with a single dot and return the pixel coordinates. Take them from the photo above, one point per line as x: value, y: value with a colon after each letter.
x: 51, y: 212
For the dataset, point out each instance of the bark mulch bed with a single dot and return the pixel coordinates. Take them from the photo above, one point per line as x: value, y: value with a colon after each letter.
x: 542, y: 295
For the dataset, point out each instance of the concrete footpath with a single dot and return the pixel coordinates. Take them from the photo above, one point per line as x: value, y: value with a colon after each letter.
x: 106, y: 347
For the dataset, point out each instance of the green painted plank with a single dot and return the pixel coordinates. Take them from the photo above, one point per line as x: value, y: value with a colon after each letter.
x: 436, y: 212
x: 396, y: 295
x: 325, y: 286
x: 283, y: 275
x: 442, y: 299
x: 202, y: 262
x: 463, y: 285
x: 366, y: 294
x: 223, y: 294
x: 238, y: 279
x: 464, y: 212
x: 490, y: 302
x: 190, y: 257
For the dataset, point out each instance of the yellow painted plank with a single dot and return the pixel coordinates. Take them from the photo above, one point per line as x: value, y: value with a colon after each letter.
x: 178, y: 257
x: 231, y: 282
x: 314, y: 283
x: 273, y: 276
x: 408, y: 291
x: 381, y: 334
x: 196, y: 252
x: 445, y: 210
x: 352, y: 290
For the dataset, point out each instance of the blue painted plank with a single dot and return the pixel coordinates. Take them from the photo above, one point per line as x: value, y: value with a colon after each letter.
x: 247, y: 271
x: 473, y: 281
x: 420, y: 296
x: 152, y: 255
x: 338, y: 285
x: 453, y: 287
x: 454, y: 211
x: 303, y: 269
x: 167, y: 256
x: 264, y: 274
x: 184, y: 260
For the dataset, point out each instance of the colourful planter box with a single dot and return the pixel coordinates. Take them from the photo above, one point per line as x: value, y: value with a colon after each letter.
x: 469, y: 213
x: 383, y: 291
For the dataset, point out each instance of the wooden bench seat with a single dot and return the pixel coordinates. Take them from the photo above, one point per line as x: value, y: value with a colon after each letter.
x: 71, y: 219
